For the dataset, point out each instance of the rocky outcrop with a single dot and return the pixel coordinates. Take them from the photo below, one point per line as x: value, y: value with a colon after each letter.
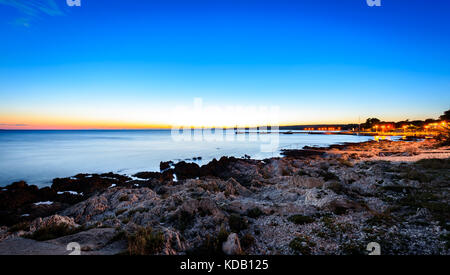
x: 52, y: 221
x: 332, y: 203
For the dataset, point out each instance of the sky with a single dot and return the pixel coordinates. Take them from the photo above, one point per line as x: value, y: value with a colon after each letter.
x: 143, y: 64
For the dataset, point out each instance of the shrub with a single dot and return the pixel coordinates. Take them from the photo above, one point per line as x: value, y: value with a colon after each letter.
x: 237, y: 223
x: 301, y: 244
x: 183, y: 220
x: 254, y: 213
x: 212, y: 245
x: 53, y: 232
x: 23, y: 226
x: 300, y: 219
x: 434, y: 163
x: 145, y: 242
x: 328, y: 175
x: 120, y: 235
x: 247, y: 241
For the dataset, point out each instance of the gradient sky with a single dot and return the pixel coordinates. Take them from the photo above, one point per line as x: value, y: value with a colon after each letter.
x: 127, y: 64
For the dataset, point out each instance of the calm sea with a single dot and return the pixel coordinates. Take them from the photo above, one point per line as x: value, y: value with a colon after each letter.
x: 39, y: 156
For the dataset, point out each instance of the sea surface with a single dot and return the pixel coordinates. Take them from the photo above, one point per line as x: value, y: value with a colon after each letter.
x: 37, y: 157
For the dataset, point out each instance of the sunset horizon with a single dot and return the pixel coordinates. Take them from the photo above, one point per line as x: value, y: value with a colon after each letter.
x: 224, y: 135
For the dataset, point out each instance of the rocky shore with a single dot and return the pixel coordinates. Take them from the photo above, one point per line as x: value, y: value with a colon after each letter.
x: 332, y: 200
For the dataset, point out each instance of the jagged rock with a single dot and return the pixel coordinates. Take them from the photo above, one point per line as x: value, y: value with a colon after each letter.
x: 52, y: 221
x: 165, y: 165
x: 108, y: 202
x: 232, y: 187
x: 148, y: 175
x: 185, y: 170
x: 348, y: 209
x: 307, y: 182
x: 172, y: 242
x: 232, y: 246
x: 88, y: 184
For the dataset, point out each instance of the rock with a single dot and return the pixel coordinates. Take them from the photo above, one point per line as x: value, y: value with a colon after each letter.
x: 185, y: 170
x: 232, y: 246
x: 52, y: 221
x: 172, y: 242
x: 19, y: 194
x: 232, y: 187
x: 301, y: 153
x: 165, y: 165
x: 103, y: 206
x: 307, y: 182
x: 22, y: 246
x: 90, y: 240
x: 148, y: 175
x: 88, y: 184
x: 340, y: 206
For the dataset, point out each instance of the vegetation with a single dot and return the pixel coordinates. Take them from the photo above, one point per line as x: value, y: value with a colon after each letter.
x: 254, y: 213
x: 23, y: 226
x: 53, y: 232
x: 212, y: 245
x: 183, y: 220
x: 444, y: 136
x: 237, y: 223
x: 411, y: 125
x: 302, y: 244
x: 247, y: 240
x: 300, y: 219
x: 326, y: 175
x: 145, y: 242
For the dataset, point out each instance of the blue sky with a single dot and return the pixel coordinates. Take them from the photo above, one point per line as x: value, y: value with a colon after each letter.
x: 131, y: 61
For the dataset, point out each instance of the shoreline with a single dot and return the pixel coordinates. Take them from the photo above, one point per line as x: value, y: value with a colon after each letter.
x: 311, y: 185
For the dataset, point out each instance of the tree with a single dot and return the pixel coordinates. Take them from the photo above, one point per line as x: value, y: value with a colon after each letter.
x: 445, y: 116
x: 370, y: 122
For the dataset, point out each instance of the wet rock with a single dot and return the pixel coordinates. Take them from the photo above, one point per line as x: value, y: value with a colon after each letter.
x: 148, y: 175
x: 164, y: 165
x: 301, y: 153
x: 88, y: 184
x: 185, y: 170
